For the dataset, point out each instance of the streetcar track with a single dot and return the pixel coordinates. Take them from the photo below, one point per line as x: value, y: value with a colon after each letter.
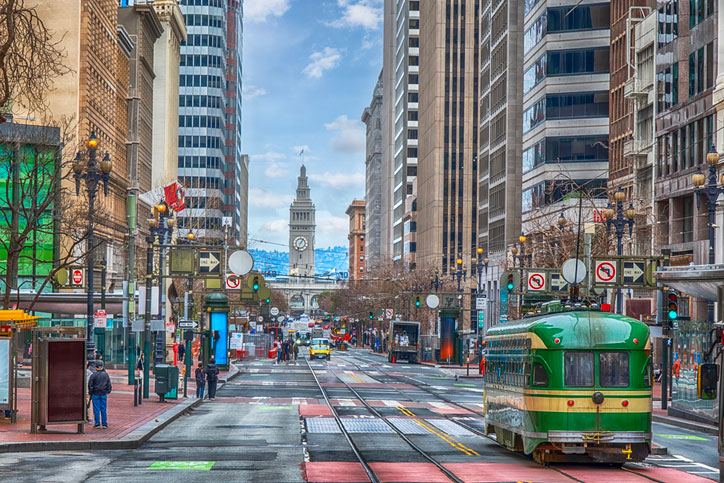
x: 473, y: 430
x: 370, y: 472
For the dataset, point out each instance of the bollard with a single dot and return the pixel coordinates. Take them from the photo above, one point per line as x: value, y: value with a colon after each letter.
x: 135, y: 394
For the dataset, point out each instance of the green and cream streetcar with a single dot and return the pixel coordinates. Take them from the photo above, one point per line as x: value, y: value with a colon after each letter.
x: 570, y: 386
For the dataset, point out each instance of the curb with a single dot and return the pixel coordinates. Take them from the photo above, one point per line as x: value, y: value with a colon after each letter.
x: 692, y: 426
x: 132, y: 440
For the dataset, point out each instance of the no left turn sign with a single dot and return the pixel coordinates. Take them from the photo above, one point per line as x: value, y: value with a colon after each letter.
x: 605, y: 271
x: 233, y: 282
x: 536, y: 281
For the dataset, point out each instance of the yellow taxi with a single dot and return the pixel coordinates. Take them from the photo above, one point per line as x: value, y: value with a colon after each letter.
x: 320, y: 349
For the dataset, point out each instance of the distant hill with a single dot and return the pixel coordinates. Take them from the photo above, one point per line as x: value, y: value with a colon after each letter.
x: 326, y: 261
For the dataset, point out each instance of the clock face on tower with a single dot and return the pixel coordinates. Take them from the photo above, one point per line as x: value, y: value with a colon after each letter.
x: 300, y: 243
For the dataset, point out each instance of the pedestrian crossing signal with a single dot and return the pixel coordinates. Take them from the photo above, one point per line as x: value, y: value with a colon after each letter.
x: 673, y: 305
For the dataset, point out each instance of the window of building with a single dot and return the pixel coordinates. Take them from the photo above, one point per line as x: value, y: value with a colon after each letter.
x: 579, y: 61
x: 535, y: 74
x: 534, y: 156
x: 414, y: 42
x: 534, y: 115
x: 528, y: 6
x: 534, y: 34
x: 579, y: 17
x: 687, y: 219
x: 701, y: 69
x: 578, y: 369
x: 591, y: 104
x: 613, y: 369
x: 668, y: 21
x: 699, y: 10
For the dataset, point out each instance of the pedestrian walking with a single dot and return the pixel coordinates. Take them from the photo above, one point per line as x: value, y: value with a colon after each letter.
x: 212, y: 377
x: 181, y: 353
x: 99, y: 386
x: 296, y: 351
x: 200, y: 381
x: 280, y: 351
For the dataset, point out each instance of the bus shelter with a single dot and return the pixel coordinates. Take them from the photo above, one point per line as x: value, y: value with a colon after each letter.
x: 11, y: 322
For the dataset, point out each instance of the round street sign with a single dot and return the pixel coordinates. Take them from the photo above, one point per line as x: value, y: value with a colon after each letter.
x: 274, y: 311
x: 241, y: 262
x: 432, y: 301
x: 572, y: 274
x: 260, y: 318
x: 280, y: 318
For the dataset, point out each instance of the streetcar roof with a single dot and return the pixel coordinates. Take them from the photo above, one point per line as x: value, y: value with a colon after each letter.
x: 578, y: 329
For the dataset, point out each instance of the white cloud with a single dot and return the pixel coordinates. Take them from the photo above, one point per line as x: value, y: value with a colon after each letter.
x: 250, y: 91
x: 333, y: 224
x: 275, y: 226
x: 259, y: 10
x: 321, y: 61
x: 267, y: 199
x: 350, y: 137
x: 276, y: 167
x: 338, y: 180
x: 363, y: 13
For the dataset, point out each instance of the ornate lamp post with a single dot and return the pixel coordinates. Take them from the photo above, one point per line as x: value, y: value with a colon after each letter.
x: 708, y: 187
x: 161, y: 226
x: 478, y: 263
x: 459, y: 275
x: 521, y: 262
x: 620, y: 219
x: 436, y: 282
x: 87, y: 168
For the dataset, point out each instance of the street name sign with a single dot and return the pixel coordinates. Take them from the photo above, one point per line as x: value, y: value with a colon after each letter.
x: 210, y: 262
x: 481, y: 319
x: 633, y: 272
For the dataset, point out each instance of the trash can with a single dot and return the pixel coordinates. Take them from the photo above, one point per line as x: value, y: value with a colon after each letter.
x: 173, y: 375
x: 162, y: 374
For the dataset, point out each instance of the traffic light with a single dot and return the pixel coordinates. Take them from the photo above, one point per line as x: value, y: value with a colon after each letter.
x: 371, y: 316
x: 673, y: 305
x: 255, y: 285
x: 418, y: 300
x: 267, y: 300
x: 510, y: 285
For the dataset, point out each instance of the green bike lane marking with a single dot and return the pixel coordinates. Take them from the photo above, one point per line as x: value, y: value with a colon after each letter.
x: 682, y: 436
x: 182, y: 465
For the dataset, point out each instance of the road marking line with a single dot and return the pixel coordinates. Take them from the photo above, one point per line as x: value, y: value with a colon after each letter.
x: 445, y: 437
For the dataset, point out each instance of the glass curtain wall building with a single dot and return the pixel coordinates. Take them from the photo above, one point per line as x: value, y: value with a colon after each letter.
x: 202, y: 162
x: 565, y: 107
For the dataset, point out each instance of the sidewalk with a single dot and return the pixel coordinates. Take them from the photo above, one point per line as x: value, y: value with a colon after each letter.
x: 128, y: 426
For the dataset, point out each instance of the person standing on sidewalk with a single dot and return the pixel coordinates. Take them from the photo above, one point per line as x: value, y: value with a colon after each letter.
x: 200, y: 381
x: 99, y: 386
x: 212, y: 377
x: 181, y: 353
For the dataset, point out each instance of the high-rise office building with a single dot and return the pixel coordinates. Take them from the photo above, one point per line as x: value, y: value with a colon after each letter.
x: 565, y: 109
x: 210, y: 158
x: 447, y: 174
x: 356, y: 237
x: 372, y: 117
x: 499, y: 141
x: 401, y: 76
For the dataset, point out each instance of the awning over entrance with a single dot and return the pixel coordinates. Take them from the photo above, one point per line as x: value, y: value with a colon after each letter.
x: 68, y: 303
x: 701, y: 281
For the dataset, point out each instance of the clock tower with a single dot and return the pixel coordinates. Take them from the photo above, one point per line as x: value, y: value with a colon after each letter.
x: 301, y: 230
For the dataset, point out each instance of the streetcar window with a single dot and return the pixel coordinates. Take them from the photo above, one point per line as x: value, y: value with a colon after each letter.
x: 613, y: 369
x: 578, y: 368
x: 647, y: 376
x: 540, y: 376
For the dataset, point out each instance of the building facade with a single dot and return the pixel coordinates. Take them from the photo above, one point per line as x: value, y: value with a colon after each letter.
x: 301, y: 230
x: 500, y: 137
x: 372, y: 117
x: 401, y: 78
x: 234, y: 208
x: 202, y: 142
x: 565, y: 110
x: 685, y: 127
x: 356, y: 237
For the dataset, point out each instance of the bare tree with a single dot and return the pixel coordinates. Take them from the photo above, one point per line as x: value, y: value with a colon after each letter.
x: 43, y: 225
x: 30, y: 58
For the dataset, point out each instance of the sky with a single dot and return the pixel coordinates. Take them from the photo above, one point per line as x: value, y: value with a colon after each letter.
x: 309, y: 70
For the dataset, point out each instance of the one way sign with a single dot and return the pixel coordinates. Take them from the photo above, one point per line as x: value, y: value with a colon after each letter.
x: 558, y: 283
x: 210, y: 262
x: 633, y: 272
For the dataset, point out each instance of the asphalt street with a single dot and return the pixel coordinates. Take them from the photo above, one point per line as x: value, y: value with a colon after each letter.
x: 271, y: 424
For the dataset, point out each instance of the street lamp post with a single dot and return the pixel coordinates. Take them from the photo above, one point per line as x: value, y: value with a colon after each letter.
x: 708, y: 187
x: 436, y: 282
x: 87, y: 168
x: 521, y: 262
x: 620, y: 219
x: 478, y: 263
x: 459, y: 275
x: 161, y: 226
